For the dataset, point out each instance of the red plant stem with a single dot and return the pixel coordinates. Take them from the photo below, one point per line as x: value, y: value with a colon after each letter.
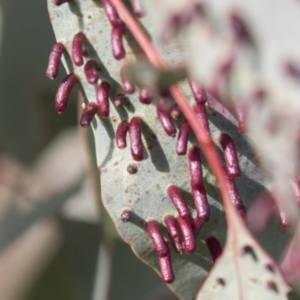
x: 60, y: 2
x: 214, y: 247
x: 117, y: 42
x: 159, y: 243
x: 189, y: 239
x: 203, y: 138
x: 88, y: 114
x: 135, y: 133
x: 91, y: 69
x: 201, y: 115
x: 183, y: 137
x: 166, y: 269
x: 54, y: 60
x: 121, y: 134
x: 112, y: 14
x: 128, y: 86
x: 64, y: 91
x: 166, y: 122
x: 179, y: 202
x: 198, y: 92
x: 145, y: 96
x: 103, y: 98
x: 201, y: 204
x: 174, y: 232
x: 230, y: 155
x: 77, y: 49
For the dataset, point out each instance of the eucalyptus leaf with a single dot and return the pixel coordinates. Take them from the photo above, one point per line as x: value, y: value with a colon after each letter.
x: 145, y: 192
x: 235, y: 274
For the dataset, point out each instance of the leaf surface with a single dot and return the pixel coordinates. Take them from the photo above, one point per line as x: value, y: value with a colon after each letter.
x: 145, y: 193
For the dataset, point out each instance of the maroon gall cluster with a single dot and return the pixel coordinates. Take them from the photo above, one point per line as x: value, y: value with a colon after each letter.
x: 183, y: 228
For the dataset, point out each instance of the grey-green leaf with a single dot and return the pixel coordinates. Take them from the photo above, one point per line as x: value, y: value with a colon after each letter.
x: 145, y: 192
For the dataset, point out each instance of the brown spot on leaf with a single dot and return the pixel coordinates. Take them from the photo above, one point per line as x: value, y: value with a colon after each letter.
x: 271, y: 285
x: 270, y: 267
x: 114, y: 119
x: 132, y: 168
x: 221, y: 281
x: 249, y: 250
x: 254, y: 280
x: 116, y: 163
x: 154, y: 137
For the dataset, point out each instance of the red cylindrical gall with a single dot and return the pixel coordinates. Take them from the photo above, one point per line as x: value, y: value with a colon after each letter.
x: 77, y: 49
x: 198, y: 92
x: 174, y: 232
x: 166, y: 269
x: 126, y: 215
x: 128, y: 86
x: 230, y: 155
x: 91, y: 69
x: 117, y: 42
x: 135, y: 133
x: 201, y: 203
x: 214, y: 247
x: 175, y: 112
x: 235, y: 196
x: 60, y: 2
x: 159, y: 243
x: 179, y: 202
x: 195, y: 167
x: 64, y: 91
x: 121, y: 134
x: 166, y: 122
x: 112, y: 14
x: 145, y: 96
x: 189, y: 240
x: 182, y: 140
x: 103, y: 98
x: 88, y: 114
x: 120, y: 100
x: 201, y: 115
x: 137, y: 8
x: 172, y: 226
x: 54, y: 60
x: 197, y: 225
